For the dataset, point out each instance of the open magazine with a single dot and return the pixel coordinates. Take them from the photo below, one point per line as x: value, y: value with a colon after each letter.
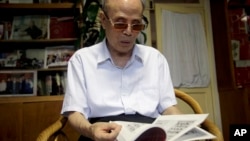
x: 183, y: 127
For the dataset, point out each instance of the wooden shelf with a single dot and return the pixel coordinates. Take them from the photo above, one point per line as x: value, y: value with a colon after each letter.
x: 54, y: 69
x: 51, y: 9
x: 22, y: 44
x: 37, y: 6
x: 25, y: 99
x: 27, y: 116
x: 39, y: 41
x: 57, y: 9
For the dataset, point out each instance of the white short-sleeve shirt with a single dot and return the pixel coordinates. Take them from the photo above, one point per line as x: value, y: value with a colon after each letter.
x: 98, y: 88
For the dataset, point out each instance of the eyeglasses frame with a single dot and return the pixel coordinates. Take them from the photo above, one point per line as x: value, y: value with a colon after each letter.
x: 128, y: 25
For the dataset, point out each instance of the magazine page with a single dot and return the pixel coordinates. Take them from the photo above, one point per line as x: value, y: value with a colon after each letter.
x: 196, y: 134
x: 133, y: 130
x: 177, y: 125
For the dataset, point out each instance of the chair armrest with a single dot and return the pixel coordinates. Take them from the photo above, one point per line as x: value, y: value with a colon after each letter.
x: 207, y: 124
x: 213, y: 129
x: 52, y: 129
x: 189, y: 100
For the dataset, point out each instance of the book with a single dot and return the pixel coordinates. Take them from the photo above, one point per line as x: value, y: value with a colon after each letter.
x: 62, y: 27
x: 1, y: 31
x: 51, y: 82
x: 7, y: 26
x: 183, y: 127
x: 30, y: 27
x: 48, y: 85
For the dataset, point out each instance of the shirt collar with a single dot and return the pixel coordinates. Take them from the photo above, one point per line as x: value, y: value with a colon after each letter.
x: 104, y: 54
x: 137, y: 54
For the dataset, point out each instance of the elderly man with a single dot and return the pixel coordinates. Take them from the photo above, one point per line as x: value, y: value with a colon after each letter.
x: 117, y: 79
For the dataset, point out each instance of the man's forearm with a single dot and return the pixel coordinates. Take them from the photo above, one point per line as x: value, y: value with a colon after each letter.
x: 173, y: 110
x: 80, y: 123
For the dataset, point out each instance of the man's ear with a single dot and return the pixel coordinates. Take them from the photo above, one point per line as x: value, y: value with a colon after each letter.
x: 102, y: 19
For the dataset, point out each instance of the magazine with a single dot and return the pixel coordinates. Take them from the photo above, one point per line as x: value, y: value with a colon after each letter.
x: 183, y: 127
x: 30, y: 27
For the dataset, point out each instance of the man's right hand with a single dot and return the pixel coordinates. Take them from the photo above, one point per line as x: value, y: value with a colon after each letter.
x: 104, y: 131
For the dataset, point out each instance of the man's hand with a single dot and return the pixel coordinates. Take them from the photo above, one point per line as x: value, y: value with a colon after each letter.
x: 104, y: 131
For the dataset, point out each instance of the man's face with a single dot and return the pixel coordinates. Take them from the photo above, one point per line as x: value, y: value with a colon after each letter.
x: 122, y: 40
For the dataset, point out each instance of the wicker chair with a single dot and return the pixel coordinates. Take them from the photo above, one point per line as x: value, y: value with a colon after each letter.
x: 55, y: 130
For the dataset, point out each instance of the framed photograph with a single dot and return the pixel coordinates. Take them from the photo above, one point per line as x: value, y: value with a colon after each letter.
x: 20, y: 1
x: 18, y: 83
x: 8, y: 59
x: 30, y: 27
x: 3, y: 1
x: 58, y: 56
x: 44, y: 1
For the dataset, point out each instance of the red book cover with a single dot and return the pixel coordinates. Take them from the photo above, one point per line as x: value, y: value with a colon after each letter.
x: 62, y: 27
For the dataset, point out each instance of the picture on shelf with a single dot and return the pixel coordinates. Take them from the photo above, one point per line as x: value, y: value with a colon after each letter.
x: 9, y: 58
x: 22, y: 59
x: 18, y: 83
x: 3, y: 1
x: 58, y: 30
x: 20, y: 1
x: 57, y: 56
x: 44, y: 1
x: 30, y: 27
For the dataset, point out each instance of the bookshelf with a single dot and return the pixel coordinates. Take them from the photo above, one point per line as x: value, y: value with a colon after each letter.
x: 53, y: 10
x: 29, y: 115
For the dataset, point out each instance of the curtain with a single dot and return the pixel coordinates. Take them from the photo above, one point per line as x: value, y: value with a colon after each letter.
x: 184, y: 46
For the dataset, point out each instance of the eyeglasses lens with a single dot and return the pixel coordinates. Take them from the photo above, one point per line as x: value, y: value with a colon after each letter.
x: 135, y: 27
x: 120, y: 25
x: 138, y: 27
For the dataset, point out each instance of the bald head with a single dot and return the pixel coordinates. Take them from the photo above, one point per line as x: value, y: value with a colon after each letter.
x: 107, y: 4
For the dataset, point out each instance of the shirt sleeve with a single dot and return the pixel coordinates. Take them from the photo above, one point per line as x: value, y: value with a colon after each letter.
x: 166, y: 89
x: 75, y: 96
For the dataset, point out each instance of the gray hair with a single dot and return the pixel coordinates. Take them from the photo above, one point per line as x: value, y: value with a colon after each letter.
x: 104, y: 7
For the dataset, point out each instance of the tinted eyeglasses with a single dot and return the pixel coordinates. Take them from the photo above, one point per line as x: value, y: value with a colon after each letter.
x: 123, y: 26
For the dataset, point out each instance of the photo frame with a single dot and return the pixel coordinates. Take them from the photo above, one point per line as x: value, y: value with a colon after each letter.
x: 18, y: 83
x: 8, y: 59
x: 30, y: 27
x: 58, y: 56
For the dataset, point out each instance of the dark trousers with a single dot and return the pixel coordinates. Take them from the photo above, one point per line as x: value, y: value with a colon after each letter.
x: 122, y: 117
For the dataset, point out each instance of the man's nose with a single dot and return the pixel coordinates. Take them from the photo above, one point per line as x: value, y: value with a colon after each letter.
x: 128, y: 30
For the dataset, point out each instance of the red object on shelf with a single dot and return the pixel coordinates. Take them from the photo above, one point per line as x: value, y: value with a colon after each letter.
x: 235, y: 20
x: 62, y: 27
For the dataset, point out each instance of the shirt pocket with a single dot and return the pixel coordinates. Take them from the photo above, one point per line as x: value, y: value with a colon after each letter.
x: 147, y: 99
